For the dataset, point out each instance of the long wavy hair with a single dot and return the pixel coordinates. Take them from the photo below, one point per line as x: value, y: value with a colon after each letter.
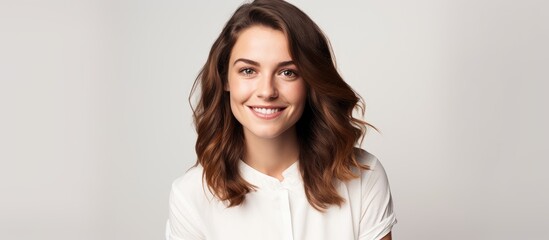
x: 327, y: 130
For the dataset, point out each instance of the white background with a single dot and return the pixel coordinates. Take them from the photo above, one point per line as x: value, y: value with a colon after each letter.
x: 95, y: 122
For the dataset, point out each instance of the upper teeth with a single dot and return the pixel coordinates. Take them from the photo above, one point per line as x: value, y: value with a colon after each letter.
x: 266, y: 110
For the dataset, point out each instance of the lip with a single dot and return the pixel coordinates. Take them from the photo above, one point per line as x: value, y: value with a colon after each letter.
x: 267, y: 116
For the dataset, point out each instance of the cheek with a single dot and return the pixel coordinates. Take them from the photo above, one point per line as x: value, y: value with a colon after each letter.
x: 298, y: 94
x: 239, y: 90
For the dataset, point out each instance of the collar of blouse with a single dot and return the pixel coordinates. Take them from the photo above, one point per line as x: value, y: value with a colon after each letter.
x: 292, y: 178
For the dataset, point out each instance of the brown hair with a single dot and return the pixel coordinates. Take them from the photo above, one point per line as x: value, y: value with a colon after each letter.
x: 327, y: 130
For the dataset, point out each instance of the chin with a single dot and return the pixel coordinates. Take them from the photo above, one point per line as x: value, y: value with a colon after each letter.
x: 270, y: 134
x: 265, y: 135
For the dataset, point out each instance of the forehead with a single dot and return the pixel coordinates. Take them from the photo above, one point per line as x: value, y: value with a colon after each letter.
x: 262, y: 44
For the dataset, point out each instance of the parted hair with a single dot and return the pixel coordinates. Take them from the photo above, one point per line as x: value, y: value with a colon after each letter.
x: 327, y: 130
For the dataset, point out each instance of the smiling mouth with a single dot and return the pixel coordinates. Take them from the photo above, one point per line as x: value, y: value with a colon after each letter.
x: 266, y: 111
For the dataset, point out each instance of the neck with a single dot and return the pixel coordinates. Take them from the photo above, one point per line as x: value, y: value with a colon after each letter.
x: 272, y: 156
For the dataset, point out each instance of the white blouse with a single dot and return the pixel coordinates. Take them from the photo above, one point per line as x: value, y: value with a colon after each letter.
x: 280, y: 210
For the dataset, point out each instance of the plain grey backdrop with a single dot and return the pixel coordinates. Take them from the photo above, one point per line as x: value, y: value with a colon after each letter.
x: 95, y: 122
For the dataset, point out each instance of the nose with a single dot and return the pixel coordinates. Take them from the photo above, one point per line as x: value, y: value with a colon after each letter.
x: 267, y: 88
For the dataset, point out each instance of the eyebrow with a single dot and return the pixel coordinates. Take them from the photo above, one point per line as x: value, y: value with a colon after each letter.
x: 251, y: 62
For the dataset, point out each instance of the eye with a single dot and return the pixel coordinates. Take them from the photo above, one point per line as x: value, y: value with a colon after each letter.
x: 247, y: 71
x: 287, y: 73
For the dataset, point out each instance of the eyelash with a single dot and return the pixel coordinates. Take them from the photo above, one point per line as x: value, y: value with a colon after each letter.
x: 243, y: 71
x: 293, y: 72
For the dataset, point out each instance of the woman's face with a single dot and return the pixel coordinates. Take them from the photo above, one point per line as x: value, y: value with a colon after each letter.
x: 267, y: 94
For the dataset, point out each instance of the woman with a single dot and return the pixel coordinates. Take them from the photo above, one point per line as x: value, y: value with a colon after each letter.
x: 276, y: 140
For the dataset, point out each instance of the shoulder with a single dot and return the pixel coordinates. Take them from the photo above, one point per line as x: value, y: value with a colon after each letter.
x: 366, y: 158
x: 374, y: 178
x: 190, y: 187
x: 376, y: 204
x: 188, y: 199
x: 190, y: 178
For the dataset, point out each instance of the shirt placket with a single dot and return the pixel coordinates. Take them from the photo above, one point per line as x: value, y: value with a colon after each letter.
x: 286, y: 213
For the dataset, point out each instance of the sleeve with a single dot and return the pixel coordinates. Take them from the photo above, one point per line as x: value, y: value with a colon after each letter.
x: 184, y: 222
x: 377, y: 216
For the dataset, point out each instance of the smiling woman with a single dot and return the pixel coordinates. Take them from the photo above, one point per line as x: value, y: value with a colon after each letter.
x: 276, y: 147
